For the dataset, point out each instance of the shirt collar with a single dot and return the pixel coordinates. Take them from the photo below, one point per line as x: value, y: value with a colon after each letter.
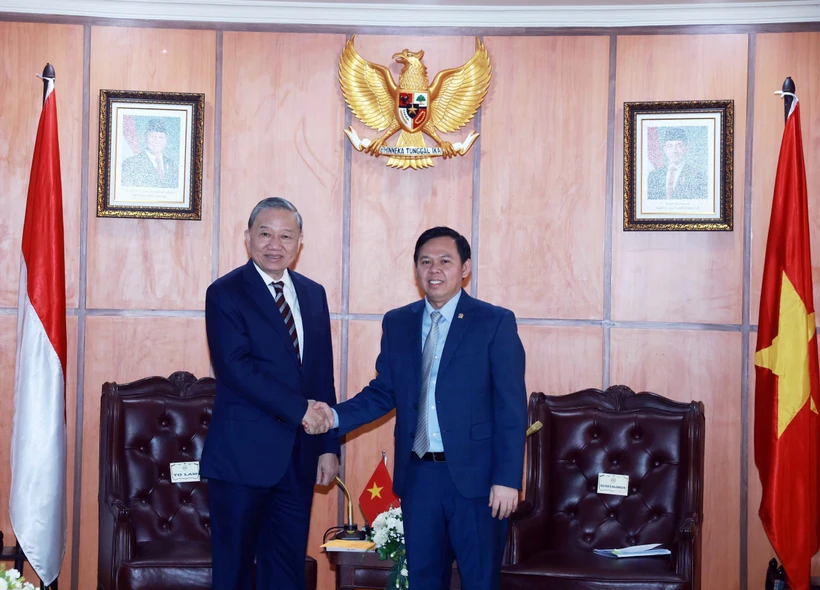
x: 448, y: 310
x: 269, y: 279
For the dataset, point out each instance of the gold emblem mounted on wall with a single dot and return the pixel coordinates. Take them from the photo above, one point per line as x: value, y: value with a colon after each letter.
x: 413, y: 106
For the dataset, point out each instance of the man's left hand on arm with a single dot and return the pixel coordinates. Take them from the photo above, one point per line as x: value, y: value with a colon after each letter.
x: 503, y: 501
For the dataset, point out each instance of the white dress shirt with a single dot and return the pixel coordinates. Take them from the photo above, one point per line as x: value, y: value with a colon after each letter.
x: 156, y: 161
x: 291, y: 298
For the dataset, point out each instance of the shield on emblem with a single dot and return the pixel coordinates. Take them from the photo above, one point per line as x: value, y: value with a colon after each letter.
x: 413, y: 110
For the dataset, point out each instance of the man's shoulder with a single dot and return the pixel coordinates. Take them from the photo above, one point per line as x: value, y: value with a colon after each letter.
x: 405, y: 311
x: 305, y: 281
x: 229, y: 279
x: 138, y: 157
x: 487, y: 308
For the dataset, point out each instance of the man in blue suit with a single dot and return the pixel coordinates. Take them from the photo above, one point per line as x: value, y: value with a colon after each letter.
x: 453, y: 368
x: 269, y: 336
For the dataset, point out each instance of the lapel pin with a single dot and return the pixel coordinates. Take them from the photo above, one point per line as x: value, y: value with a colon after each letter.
x: 461, y: 316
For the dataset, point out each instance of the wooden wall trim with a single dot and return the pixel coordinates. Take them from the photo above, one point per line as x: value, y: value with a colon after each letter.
x: 455, y: 13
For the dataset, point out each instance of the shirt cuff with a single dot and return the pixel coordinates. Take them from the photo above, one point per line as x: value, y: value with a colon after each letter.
x: 335, y: 418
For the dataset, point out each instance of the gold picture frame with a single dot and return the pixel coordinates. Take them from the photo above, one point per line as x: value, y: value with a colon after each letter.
x: 678, y: 165
x: 150, y: 154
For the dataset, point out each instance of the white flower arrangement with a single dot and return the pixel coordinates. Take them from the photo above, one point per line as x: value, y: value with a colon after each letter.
x: 12, y: 580
x: 388, y: 535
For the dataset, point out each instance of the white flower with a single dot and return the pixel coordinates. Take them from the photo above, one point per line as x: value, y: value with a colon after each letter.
x: 3, y: 584
x: 379, y: 538
x: 403, y: 572
x: 12, y: 575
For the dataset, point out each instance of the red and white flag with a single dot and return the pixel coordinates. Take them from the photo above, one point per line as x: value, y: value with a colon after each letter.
x: 37, y: 503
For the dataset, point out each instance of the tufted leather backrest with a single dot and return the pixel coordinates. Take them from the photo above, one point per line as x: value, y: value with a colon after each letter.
x: 657, y: 442
x: 146, y: 426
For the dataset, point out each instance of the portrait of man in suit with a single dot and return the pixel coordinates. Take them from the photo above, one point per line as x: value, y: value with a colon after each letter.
x: 453, y: 369
x: 679, y: 178
x: 152, y: 167
x: 268, y: 331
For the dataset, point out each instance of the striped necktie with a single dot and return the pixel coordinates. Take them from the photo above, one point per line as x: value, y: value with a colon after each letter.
x: 421, y: 443
x: 287, y: 315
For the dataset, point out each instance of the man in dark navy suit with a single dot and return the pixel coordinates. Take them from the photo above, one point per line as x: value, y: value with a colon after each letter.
x: 679, y: 179
x: 269, y: 336
x: 151, y: 167
x: 453, y: 368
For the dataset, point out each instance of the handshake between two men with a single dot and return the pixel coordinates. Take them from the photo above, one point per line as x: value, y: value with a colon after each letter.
x: 318, y: 419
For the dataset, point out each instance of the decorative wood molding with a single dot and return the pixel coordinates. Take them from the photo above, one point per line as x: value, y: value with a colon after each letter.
x: 418, y: 15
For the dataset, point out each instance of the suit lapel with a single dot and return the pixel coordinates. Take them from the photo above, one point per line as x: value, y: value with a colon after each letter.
x: 461, y: 321
x: 261, y: 296
x: 414, y: 337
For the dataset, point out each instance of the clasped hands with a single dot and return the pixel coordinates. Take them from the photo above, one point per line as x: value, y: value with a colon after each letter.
x: 318, y: 419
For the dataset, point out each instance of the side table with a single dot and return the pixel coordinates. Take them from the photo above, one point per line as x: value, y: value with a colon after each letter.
x: 364, y: 569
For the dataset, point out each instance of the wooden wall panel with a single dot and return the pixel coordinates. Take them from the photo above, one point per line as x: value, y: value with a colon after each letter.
x: 283, y: 116
x: 390, y: 208
x: 679, y: 276
x: 697, y: 365
x: 543, y: 176
x: 150, y: 263
x: 363, y: 447
x: 779, y: 55
x: 562, y: 360
x: 26, y: 48
x: 124, y: 349
x: 324, y: 513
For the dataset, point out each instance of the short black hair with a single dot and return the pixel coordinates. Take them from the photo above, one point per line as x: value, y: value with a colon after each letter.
x: 676, y: 134
x: 155, y: 125
x: 462, y: 244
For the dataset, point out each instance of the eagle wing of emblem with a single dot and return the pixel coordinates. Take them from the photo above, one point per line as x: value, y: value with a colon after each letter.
x: 456, y: 94
x: 368, y: 88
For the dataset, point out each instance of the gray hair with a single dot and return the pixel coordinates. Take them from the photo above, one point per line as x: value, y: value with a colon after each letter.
x: 274, y: 203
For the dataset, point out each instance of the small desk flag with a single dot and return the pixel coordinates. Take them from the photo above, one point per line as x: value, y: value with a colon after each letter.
x: 378, y: 495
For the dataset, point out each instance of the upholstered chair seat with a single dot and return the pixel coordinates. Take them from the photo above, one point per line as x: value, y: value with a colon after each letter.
x: 658, y: 444
x: 155, y: 534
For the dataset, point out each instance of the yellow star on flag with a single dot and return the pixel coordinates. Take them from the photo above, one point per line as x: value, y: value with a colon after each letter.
x: 375, y: 491
x: 788, y: 356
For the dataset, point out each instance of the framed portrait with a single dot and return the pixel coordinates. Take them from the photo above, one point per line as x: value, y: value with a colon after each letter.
x: 678, y: 165
x: 150, y: 156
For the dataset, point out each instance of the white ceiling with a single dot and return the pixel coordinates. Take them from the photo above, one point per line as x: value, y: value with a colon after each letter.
x: 437, y: 13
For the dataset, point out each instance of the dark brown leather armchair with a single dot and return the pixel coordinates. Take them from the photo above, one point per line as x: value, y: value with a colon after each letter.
x: 155, y: 534
x: 659, y: 444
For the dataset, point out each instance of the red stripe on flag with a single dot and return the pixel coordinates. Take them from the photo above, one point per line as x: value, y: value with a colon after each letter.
x: 43, y: 243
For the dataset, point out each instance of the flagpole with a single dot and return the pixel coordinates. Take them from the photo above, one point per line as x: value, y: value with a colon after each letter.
x: 788, y: 86
x: 48, y: 74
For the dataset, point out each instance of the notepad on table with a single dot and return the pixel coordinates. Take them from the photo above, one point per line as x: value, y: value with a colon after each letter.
x: 348, y: 545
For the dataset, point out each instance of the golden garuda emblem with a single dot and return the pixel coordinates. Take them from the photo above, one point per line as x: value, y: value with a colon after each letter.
x: 413, y: 106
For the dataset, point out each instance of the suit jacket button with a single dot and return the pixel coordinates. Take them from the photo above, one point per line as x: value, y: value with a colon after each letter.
x: 280, y: 419
x: 412, y: 435
x: 415, y: 406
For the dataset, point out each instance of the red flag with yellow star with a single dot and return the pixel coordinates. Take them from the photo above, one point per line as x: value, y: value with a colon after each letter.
x: 378, y: 495
x: 787, y: 425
